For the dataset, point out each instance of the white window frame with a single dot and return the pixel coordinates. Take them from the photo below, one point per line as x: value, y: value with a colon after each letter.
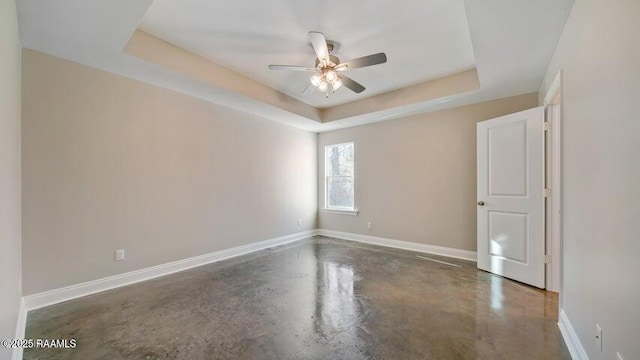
x: 339, y: 209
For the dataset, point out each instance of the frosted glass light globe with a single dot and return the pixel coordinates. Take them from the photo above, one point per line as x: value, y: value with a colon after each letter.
x: 323, y: 86
x: 316, y: 80
x: 331, y: 76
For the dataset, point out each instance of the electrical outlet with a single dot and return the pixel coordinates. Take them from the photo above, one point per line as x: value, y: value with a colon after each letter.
x: 299, y: 222
x: 619, y: 357
x: 599, y: 337
x: 369, y: 225
x: 120, y: 255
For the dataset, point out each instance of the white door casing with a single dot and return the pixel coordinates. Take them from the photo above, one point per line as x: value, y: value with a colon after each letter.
x: 553, y: 104
x: 511, y: 230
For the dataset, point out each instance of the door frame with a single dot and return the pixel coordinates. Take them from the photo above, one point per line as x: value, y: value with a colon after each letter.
x: 554, y: 114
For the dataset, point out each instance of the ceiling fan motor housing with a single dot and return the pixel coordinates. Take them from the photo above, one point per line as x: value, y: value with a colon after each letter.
x: 333, y: 61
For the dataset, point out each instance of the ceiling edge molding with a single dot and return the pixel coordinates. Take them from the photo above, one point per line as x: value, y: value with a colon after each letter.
x: 160, y: 52
x: 152, y: 49
x: 427, y: 91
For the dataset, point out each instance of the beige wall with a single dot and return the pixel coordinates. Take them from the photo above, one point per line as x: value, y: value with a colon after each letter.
x: 111, y: 163
x: 599, y: 53
x: 9, y: 172
x: 415, y: 178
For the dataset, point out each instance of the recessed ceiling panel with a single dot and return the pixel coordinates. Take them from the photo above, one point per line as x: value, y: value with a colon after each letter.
x: 423, y: 39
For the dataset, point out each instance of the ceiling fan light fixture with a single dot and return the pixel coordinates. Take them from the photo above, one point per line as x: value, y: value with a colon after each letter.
x: 323, y: 86
x: 330, y: 75
x: 337, y: 84
x: 316, y: 80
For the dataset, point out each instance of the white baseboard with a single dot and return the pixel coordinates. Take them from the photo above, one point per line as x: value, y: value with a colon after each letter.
x: 20, y: 328
x: 571, y: 338
x: 405, y: 245
x: 55, y: 296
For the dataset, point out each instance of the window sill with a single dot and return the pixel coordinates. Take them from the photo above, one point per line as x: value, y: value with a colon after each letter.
x: 340, y: 212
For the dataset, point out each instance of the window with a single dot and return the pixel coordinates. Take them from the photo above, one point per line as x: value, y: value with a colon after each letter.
x: 338, y: 172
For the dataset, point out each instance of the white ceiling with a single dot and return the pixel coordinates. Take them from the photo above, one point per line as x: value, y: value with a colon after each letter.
x: 513, y: 42
x: 423, y: 39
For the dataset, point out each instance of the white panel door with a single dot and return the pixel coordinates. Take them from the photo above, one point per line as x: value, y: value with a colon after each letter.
x: 510, y: 204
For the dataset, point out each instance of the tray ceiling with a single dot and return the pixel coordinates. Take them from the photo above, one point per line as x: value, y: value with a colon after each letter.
x: 488, y: 49
x: 423, y: 39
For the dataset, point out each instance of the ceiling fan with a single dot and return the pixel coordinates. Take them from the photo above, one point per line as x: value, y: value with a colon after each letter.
x: 329, y: 70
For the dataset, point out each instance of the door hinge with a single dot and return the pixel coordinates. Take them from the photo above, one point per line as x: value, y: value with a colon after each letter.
x: 547, y: 259
x: 546, y: 193
x: 546, y: 126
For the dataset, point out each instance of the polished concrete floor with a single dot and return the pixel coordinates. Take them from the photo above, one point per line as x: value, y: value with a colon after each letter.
x: 316, y: 299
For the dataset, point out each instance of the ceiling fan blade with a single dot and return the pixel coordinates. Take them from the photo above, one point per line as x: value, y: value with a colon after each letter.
x: 351, y: 84
x: 309, y: 89
x: 375, y: 59
x: 291, y: 67
x: 319, y: 43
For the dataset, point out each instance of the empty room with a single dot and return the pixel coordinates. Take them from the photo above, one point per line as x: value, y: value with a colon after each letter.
x: 419, y: 179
